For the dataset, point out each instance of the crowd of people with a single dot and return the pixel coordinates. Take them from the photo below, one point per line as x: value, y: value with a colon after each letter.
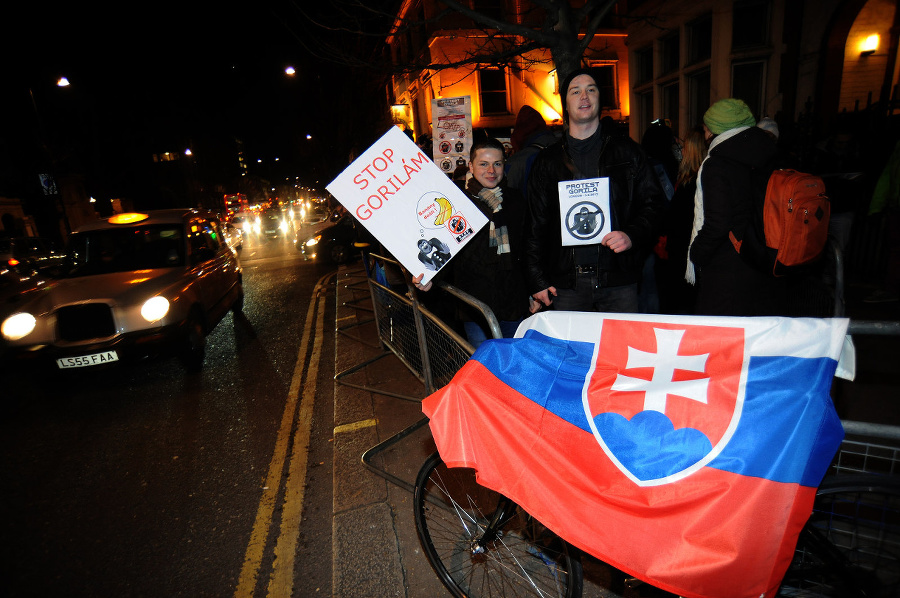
x: 674, y: 209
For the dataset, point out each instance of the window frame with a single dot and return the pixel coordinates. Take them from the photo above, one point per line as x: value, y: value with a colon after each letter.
x: 494, y: 93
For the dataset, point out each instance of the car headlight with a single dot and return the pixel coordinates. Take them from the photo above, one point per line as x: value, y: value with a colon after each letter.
x: 155, y: 308
x: 18, y: 326
x: 283, y: 226
x: 314, y: 241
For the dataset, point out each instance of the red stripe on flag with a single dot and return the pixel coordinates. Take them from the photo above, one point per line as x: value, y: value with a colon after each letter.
x: 710, y: 535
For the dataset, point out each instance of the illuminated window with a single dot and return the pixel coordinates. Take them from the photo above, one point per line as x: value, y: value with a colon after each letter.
x: 492, y: 83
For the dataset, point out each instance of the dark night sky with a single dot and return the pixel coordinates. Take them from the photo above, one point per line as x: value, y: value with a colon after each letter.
x: 163, y: 75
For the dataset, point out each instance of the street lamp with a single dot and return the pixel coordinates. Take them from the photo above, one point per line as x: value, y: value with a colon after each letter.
x: 48, y: 184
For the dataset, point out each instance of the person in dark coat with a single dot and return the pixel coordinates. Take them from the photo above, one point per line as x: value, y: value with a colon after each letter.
x: 732, y: 177
x: 601, y: 276
x: 490, y: 266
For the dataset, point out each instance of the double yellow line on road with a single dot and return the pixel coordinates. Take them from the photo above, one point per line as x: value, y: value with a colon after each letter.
x: 281, y: 582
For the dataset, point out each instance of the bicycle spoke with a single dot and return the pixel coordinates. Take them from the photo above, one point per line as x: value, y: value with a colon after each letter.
x: 519, y: 558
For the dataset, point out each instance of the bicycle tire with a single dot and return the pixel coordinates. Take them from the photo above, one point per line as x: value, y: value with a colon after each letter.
x: 451, y: 513
x: 851, y: 544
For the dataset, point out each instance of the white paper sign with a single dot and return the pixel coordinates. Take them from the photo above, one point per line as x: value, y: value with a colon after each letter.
x: 400, y: 196
x: 584, y: 211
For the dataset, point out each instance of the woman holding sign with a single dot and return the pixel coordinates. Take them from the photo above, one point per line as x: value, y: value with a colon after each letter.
x: 490, y: 267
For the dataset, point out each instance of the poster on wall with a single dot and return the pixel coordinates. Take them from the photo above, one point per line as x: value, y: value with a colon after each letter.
x: 451, y: 123
x: 406, y: 202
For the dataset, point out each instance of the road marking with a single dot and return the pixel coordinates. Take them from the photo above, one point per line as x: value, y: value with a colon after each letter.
x: 352, y: 427
x: 281, y: 583
x: 259, y: 533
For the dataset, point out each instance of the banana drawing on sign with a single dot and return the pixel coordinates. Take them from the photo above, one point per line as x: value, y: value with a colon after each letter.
x: 434, y: 211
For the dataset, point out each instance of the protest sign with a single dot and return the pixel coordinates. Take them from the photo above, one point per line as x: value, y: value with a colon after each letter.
x: 584, y: 211
x: 451, y: 121
x: 404, y: 200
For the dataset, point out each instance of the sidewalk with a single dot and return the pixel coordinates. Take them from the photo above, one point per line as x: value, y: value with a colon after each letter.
x: 376, y: 551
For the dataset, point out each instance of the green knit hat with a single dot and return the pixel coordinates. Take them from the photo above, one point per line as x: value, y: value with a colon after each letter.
x: 728, y: 114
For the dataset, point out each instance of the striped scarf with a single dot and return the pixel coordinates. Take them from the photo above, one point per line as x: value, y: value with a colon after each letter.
x: 499, y: 236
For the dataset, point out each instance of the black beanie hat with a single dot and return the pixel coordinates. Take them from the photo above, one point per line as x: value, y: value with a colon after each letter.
x: 564, y: 88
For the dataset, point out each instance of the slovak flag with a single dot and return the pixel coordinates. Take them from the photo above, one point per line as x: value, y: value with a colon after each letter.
x: 683, y: 450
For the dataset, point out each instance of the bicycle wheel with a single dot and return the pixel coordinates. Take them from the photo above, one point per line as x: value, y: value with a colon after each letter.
x: 851, y: 544
x: 523, y: 558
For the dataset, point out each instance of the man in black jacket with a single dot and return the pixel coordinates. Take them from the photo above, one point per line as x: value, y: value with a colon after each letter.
x: 601, y: 276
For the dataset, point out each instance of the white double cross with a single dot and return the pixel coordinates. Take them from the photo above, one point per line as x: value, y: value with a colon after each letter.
x: 664, y: 363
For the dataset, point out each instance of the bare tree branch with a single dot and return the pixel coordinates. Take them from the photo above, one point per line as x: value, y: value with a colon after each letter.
x: 565, y: 27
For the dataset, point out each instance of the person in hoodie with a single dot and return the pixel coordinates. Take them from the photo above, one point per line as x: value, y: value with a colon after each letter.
x: 601, y: 276
x: 731, y: 179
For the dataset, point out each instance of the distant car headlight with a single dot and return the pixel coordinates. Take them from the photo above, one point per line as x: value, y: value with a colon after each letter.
x: 155, y: 308
x: 314, y: 241
x: 18, y: 326
x: 257, y: 227
x: 283, y: 226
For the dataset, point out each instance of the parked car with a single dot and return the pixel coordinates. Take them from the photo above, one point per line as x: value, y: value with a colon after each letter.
x: 31, y: 252
x: 334, y: 243
x: 134, y: 285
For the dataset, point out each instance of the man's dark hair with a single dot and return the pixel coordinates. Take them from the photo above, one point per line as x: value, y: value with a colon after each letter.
x: 489, y: 143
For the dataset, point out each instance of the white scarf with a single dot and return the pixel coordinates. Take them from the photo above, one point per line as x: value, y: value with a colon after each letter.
x: 690, y: 273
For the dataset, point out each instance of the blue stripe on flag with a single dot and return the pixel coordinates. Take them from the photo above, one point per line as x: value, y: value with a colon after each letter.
x: 786, y: 404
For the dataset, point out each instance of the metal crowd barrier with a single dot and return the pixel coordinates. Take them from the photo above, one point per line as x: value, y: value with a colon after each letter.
x: 431, y: 350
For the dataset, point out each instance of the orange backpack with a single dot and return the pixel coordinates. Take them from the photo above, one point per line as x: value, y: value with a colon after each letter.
x: 795, y: 214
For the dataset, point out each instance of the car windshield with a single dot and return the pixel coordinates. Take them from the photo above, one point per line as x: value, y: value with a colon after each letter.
x: 126, y: 249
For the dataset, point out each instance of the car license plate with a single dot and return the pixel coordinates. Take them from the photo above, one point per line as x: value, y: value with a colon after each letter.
x: 87, y: 360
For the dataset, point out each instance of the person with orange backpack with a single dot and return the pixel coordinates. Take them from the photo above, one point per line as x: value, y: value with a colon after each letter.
x: 731, y: 184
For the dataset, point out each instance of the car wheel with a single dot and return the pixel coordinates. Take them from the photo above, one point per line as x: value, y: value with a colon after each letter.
x: 195, y: 345
x: 339, y: 253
